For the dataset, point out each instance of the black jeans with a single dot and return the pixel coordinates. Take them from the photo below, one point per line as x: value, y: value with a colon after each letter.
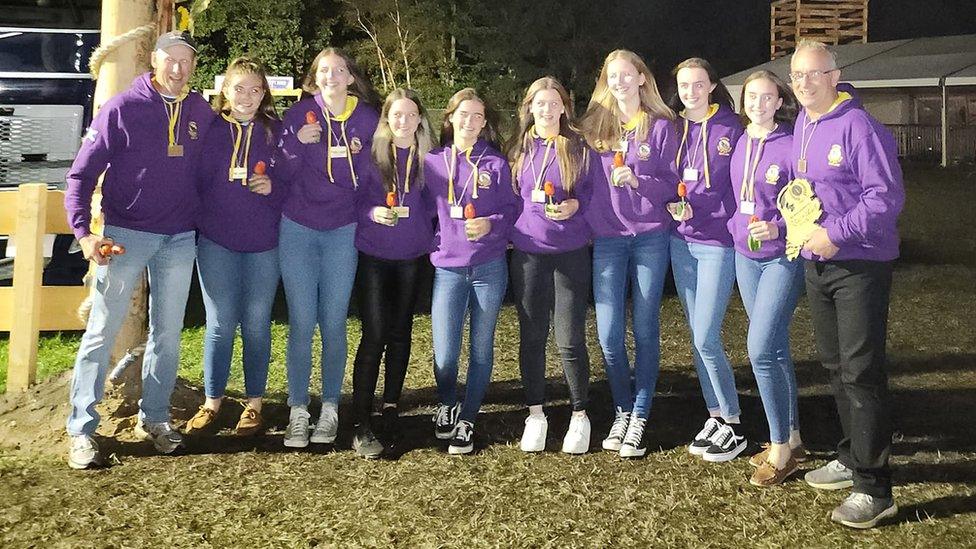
x: 849, y: 309
x: 387, y: 294
x: 557, y: 286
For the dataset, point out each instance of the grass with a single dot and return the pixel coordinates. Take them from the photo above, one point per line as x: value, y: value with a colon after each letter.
x: 231, y: 492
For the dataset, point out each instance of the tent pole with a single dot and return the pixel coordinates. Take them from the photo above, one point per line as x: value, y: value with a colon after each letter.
x: 945, y: 123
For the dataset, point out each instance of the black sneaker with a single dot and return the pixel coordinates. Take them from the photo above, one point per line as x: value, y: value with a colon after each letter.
x: 635, y: 443
x: 726, y: 445
x: 463, y: 441
x: 703, y: 440
x: 391, y: 423
x: 445, y: 421
x: 365, y: 444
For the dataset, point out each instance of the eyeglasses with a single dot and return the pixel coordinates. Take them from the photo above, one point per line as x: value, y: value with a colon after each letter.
x: 809, y: 75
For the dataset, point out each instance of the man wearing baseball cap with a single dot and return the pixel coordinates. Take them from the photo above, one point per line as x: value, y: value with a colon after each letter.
x: 145, y: 141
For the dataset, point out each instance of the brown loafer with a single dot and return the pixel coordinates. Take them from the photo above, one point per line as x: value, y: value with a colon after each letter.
x: 767, y: 474
x: 250, y: 423
x: 200, y: 421
x: 799, y: 454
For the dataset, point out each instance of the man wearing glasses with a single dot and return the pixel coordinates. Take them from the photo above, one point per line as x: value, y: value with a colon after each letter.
x: 851, y: 161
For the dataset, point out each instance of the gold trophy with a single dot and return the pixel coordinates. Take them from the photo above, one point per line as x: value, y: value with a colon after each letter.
x: 801, y: 210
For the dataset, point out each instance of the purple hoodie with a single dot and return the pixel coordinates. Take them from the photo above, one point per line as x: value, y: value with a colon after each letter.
x: 712, y: 206
x: 230, y: 214
x: 534, y: 232
x: 313, y: 200
x: 496, y: 200
x: 852, y: 163
x: 773, y: 172
x: 622, y: 211
x: 412, y: 236
x: 144, y: 188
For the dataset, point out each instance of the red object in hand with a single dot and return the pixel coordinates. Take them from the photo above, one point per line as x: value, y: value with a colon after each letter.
x: 549, y: 189
x: 753, y: 219
x: 111, y: 249
x: 618, y: 159
x: 260, y: 168
x: 310, y: 118
x: 391, y: 199
x: 682, y: 189
x: 469, y: 211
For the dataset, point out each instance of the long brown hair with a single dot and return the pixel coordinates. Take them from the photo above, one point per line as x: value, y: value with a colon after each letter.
x: 570, y: 151
x: 786, y: 114
x: 719, y: 95
x: 266, y: 114
x: 383, y: 139
x: 361, y: 86
x: 489, y: 133
x: 601, y: 122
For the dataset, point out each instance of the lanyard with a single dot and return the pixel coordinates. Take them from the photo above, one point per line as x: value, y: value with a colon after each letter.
x: 452, y: 167
x: 173, y: 111
x: 237, y: 135
x: 406, y: 176
x: 546, y: 163
x: 805, y: 142
x: 703, y: 141
x: 748, y: 190
x: 339, y: 141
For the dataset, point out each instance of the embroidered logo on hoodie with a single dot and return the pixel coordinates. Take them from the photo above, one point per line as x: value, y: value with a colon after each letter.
x: 772, y: 174
x: 484, y: 180
x: 191, y: 130
x: 834, y: 157
x: 355, y: 145
x: 644, y: 151
x: 724, y: 146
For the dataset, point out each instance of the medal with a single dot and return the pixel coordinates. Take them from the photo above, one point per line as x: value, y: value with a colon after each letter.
x: 747, y: 208
x: 689, y: 174
x: 538, y: 196
x: 174, y: 151
x: 457, y: 212
x: 801, y: 165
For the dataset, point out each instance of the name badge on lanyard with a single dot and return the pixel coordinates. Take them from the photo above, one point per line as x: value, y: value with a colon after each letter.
x: 747, y: 207
x: 457, y: 212
x: 401, y: 211
x: 690, y: 174
x: 174, y: 151
x: 538, y: 196
x: 238, y: 173
x: 337, y: 151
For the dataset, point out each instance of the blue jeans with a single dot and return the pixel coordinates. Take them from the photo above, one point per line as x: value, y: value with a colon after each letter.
x: 643, y: 261
x: 170, y: 262
x: 703, y: 276
x: 238, y: 289
x: 457, y: 290
x: 318, y: 269
x: 770, y: 289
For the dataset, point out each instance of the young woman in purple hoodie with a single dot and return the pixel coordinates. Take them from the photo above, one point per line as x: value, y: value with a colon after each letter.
x: 324, y: 152
x: 393, y: 235
x: 769, y: 283
x: 702, y: 258
x: 468, y: 188
x: 630, y: 128
x: 551, y: 263
x: 237, y: 251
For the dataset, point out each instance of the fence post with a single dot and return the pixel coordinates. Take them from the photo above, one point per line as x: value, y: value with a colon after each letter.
x: 28, y: 268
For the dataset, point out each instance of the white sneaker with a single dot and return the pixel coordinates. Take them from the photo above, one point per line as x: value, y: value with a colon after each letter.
x: 703, y: 440
x: 534, y: 435
x: 162, y: 435
x: 327, y: 425
x: 617, y: 431
x: 296, y: 435
x: 83, y: 452
x: 577, y: 439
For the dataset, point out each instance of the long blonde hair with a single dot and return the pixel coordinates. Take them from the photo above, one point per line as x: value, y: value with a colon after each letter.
x: 601, y: 123
x: 383, y: 139
x: 266, y: 113
x: 570, y: 151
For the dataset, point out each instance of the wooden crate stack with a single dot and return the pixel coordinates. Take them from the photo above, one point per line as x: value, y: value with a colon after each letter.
x: 829, y: 21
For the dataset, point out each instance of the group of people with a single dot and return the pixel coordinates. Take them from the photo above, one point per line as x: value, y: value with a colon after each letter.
x: 347, y: 185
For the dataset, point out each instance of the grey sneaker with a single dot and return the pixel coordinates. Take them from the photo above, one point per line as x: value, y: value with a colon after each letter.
x: 833, y: 476
x: 162, y: 435
x: 296, y: 435
x: 365, y: 444
x: 328, y: 424
x: 618, y: 430
x: 83, y: 452
x: 863, y: 511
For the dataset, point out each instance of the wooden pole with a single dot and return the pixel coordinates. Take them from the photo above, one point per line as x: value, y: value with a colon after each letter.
x: 28, y: 267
